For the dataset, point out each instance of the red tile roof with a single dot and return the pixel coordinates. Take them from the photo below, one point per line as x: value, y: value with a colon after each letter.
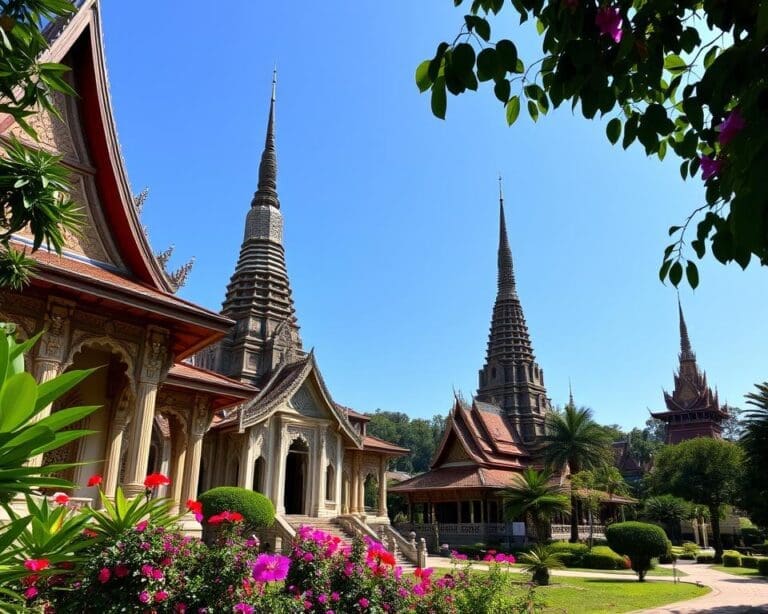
x: 380, y: 445
x: 461, y: 477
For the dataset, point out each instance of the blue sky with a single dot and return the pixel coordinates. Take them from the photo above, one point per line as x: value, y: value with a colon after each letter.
x: 391, y: 215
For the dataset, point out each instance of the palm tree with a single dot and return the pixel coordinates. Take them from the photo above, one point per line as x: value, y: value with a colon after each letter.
x: 755, y: 443
x: 534, y: 497
x: 668, y: 511
x: 539, y: 561
x: 573, y: 440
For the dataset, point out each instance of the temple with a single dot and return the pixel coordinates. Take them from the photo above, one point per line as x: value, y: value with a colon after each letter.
x: 207, y: 398
x: 693, y: 410
x: 490, y: 439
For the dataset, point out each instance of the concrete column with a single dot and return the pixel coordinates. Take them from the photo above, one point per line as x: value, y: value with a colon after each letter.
x: 382, y: 486
x: 322, y: 472
x: 154, y: 365
x: 200, y: 423
x: 120, y: 421
x: 282, y: 447
x: 51, y: 351
x: 339, y: 474
x: 354, y: 479
x: 246, y: 461
x: 178, y: 470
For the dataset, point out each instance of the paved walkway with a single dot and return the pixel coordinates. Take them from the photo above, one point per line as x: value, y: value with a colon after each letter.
x: 730, y: 594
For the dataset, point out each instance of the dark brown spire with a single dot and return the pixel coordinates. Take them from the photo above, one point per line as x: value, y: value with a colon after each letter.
x: 266, y: 192
x: 686, y: 352
x: 506, y: 271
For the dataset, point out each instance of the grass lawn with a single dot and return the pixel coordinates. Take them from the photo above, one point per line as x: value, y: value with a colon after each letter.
x: 659, y: 571
x: 597, y: 595
x: 738, y: 571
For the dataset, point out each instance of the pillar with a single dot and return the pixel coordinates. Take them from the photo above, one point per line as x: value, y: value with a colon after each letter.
x: 154, y: 365
x: 246, y: 460
x: 321, y: 473
x: 178, y: 470
x: 279, y: 486
x: 382, y: 486
x: 458, y: 512
x: 354, y: 484
x: 119, y: 424
x: 51, y: 351
x: 199, y: 424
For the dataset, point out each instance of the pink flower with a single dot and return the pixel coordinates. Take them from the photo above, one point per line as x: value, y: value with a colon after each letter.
x: 157, y: 574
x: 731, y: 126
x: 30, y: 593
x: 144, y: 597
x: 308, y: 557
x: 37, y: 564
x: 364, y: 603
x: 104, y: 575
x: 710, y: 167
x: 271, y: 568
x: 121, y: 570
x: 146, y: 570
x: 322, y: 598
x: 160, y: 596
x: 94, y: 480
x: 608, y: 20
x: 60, y: 498
x: 243, y: 608
x: 141, y: 526
x: 335, y: 596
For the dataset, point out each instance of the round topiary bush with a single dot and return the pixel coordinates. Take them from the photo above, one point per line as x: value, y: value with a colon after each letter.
x: 256, y: 509
x: 640, y: 541
x: 731, y: 558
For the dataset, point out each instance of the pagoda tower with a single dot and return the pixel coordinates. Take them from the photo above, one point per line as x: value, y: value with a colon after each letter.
x: 259, y: 295
x: 510, y: 377
x: 693, y: 410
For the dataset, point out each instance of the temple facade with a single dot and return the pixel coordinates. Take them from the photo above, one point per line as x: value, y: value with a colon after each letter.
x: 692, y: 410
x: 209, y: 399
x: 489, y: 440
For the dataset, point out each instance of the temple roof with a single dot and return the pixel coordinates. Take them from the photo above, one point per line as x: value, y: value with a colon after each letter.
x: 224, y: 391
x: 375, y: 444
x: 451, y: 478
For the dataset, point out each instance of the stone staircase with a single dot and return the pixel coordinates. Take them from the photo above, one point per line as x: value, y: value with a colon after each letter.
x: 329, y: 525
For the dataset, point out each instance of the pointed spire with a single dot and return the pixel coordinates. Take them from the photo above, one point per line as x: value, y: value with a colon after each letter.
x: 266, y: 193
x: 570, y: 394
x: 686, y: 352
x: 506, y: 273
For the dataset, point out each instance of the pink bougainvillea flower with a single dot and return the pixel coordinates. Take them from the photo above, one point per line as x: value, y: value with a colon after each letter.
x: 710, y: 167
x: 142, y: 526
x: 160, y: 596
x: 731, y: 126
x: 60, y: 498
x: 157, y: 574
x: 37, y: 564
x: 271, y: 568
x: 363, y: 602
x: 95, y: 480
x: 146, y: 570
x: 144, y: 597
x: 154, y: 480
x: 243, y: 608
x: 609, y: 22
x: 196, y: 508
x: 104, y: 575
x: 30, y: 593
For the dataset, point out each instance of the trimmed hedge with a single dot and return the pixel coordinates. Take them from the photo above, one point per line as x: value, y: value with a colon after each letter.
x: 750, y: 561
x: 256, y: 509
x: 571, y: 554
x: 731, y: 558
x: 705, y: 558
x: 762, y: 567
x: 602, y: 557
x: 640, y: 541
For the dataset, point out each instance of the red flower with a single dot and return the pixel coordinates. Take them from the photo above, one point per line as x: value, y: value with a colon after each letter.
x: 90, y: 533
x: 37, y: 564
x: 121, y: 570
x: 225, y: 516
x: 94, y: 480
x: 104, y: 575
x: 153, y: 480
x: 61, y: 498
x: 196, y: 508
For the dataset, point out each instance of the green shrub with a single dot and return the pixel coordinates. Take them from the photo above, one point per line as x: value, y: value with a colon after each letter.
x: 690, y: 548
x: 572, y: 555
x: 731, y: 558
x: 751, y: 535
x: 705, y: 558
x: 602, y: 557
x: 762, y: 567
x: 640, y: 541
x: 256, y: 509
x: 750, y: 561
x: 570, y: 559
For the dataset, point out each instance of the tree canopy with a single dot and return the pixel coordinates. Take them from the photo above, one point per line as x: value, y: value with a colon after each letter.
x: 420, y: 436
x: 687, y: 76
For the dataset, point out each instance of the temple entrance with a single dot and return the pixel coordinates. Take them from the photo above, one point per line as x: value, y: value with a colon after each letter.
x: 296, y: 477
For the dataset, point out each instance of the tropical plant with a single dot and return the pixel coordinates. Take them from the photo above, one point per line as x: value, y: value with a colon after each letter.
x: 708, y: 471
x: 681, y: 75
x: 640, y: 541
x: 118, y: 516
x: 755, y: 443
x: 539, y: 561
x: 536, y: 498
x: 33, y: 183
x: 668, y: 511
x: 257, y: 510
x: 574, y: 441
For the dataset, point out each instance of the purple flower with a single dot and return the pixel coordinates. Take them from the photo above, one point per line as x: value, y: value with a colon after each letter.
x: 243, y: 608
x: 271, y: 568
x: 710, y: 167
x: 608, y: 20
x: 363, y: 602
x: 144, y: 597
x: 731, y: 126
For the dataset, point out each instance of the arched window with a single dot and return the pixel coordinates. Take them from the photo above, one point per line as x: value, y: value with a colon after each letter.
x: 330, y: 483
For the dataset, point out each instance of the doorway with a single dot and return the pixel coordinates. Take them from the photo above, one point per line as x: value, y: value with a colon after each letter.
x: 296, y: 477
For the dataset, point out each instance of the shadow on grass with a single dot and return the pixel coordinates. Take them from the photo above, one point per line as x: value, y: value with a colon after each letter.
x: 724, y: 609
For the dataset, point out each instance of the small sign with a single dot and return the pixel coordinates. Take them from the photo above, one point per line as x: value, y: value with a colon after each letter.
x: 518, y: 529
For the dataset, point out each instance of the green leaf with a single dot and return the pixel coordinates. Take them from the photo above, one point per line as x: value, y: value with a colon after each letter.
x: 675, y: 64
x: 463, y: 57
x: 710, y: 56
x: 540, y: 27
x: 613, y: 130
x: 665, y: 268
x: 502, y: 90
x: 423, y: 81
x: 64, y: 417
x: 513, y: 110
x: 51, y: 390
x: 439, y: 101
x: 507, y: 55
x: 676, y: 273
x: 486, y: 64
x: 684, y: 169
x: 692, y: 274
x: 533, y: 110
x: 480, y: 26
x: 17, y: 401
